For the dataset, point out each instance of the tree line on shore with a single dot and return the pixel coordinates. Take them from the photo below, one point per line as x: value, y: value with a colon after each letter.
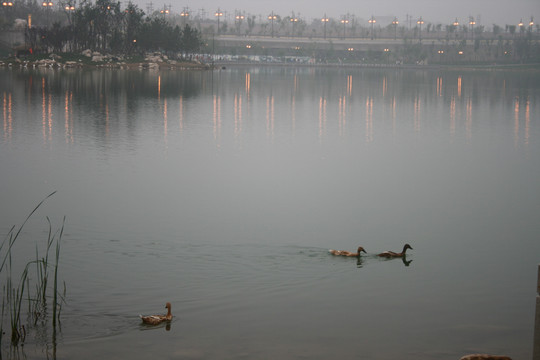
x: 105, y: 26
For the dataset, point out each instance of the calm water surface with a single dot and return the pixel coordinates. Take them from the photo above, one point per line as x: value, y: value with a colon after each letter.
x: 222, y: 192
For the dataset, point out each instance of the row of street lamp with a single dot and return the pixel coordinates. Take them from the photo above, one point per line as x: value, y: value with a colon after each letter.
x: 372, y: 21
x: 273, y: 17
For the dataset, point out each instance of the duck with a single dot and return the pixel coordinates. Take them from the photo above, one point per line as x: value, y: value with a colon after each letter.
x: 485, y: 357
x: 347, y: 253
x: 391, y: 254
x: 157, y: 319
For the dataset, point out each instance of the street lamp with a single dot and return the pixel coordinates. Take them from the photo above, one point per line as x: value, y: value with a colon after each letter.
x: 344, y: 21
x: 472, y: 23
x: 218, y: 14
x: 520, y: 27
x: 324, y: 21
x: 184, y: 14
x: 47, y: 5
x: 163, y: 12
x: 239, y: 19
x: 420, y: 22
x: 272, y: 17
x: 440, y: 52
x: 531, y: 23
x: 456, y: 24
x: 395, y: 22
x: 372, y: 21
x: 294, y: 20
x: 69, y: 9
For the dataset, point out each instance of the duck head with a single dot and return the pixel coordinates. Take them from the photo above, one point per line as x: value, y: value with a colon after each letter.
x: 361, y: 249
x: 407, y: 246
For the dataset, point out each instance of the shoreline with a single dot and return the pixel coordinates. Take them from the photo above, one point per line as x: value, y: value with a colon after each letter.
x: 220, y: 65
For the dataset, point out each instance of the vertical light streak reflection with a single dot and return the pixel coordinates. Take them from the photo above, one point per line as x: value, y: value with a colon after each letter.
x: 516, y: 121
x: 527, y: 121
x: 293, y: 104
x: 181, y: 113
x: 106, y: 119
x: 417, y: 109
x: 293, y: 113
x: 165, y: 122
x: 217, y: 117
x: 384, y: 86
x: 49, y: 116
x: 439, y: 86
x: 394, y: 115
x: 248, y: 84
x: 349, y: 85
x: 453, y: 116
x: 369, y: 119
x: 4, y: 113
x: 270, y: 116
x: 8, y: 119
x: 159, y: 87
x: 46, y: 121
x: 459, y: 86
x: 342, y: 116
x: 237, y: 114
x: 68, y: 117
x: 322, y: 117
x: 43, y: 111
x: 468, y: 119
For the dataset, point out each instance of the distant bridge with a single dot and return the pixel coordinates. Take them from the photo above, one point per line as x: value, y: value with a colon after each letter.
x: 352, y: 47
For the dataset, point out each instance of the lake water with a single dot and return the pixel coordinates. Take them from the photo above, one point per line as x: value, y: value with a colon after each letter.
x: 222, y: 191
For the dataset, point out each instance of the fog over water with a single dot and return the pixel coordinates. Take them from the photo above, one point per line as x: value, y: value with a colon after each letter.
x: 486, y: 12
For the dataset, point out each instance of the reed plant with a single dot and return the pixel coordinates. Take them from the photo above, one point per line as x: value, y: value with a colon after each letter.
x: 13, y: 293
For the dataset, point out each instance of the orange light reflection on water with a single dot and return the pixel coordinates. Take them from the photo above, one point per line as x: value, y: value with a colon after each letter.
x: 369, y: 119
x: 417, y: 111
x: 516, y: 121
x: 8, y: 119
x: 527, y: 121
x: 237, y: 114
x: 165, y: 122
x: 468, y: 119
x: 322, y: 116
x: 342, y: 113
x: 217, y: 117
x: 248, y: 84
x: 270, y: 116
x: 439, y: 86
x: 181, y: 113
x: 452, y: 116
x: 68, y: 112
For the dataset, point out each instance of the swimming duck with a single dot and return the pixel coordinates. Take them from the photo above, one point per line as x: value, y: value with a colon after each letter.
x: 391, y: 254
x: 347, y: 253
x: 157, y: 319
x: 485, y: 357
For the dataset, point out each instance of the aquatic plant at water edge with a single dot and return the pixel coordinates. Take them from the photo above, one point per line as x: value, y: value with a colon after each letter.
x: 35, y: 275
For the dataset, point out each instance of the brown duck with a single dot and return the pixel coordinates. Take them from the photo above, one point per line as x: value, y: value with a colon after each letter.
x: 391, y: 254
x: 347, y: 253
x: 157, y: 319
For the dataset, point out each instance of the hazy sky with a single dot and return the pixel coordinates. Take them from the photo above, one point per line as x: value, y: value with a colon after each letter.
x: 500, y: 12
